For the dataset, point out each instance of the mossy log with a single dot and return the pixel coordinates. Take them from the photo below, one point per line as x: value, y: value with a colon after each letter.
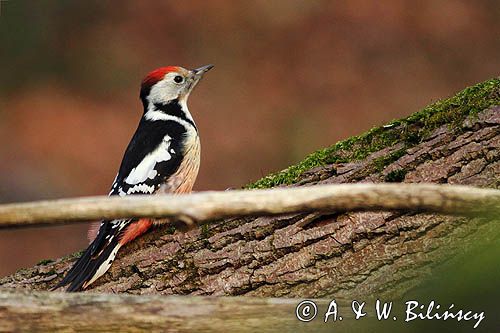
x: 341, y: 255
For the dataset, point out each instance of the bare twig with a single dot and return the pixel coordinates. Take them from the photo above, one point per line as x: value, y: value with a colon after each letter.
x: 203, y: 206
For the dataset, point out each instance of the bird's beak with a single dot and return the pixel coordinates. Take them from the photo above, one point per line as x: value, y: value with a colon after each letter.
x: 196, y: 76
x: 198, y: 72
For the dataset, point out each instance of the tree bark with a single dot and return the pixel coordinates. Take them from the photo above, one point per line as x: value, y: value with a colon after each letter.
x: 344, y: 255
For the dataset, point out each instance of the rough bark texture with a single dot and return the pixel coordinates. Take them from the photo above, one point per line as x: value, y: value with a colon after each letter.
x: 317, y: 255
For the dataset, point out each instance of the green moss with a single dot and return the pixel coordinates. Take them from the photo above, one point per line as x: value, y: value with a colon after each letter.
x: 170, y: 229
x: 410, y: 131
x: 381, y: 162
x: 204, y: 232
x: 396, y: 176
x: 45, y: 261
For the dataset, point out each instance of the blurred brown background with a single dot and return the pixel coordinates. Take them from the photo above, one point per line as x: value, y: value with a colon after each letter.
x: 290, y: 77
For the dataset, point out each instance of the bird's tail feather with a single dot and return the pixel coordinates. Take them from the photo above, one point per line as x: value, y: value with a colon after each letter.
x: 95, y: 261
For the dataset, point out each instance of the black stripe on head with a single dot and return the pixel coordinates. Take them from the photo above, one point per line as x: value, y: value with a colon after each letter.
x: 144, y: 95
x: 173, y: 109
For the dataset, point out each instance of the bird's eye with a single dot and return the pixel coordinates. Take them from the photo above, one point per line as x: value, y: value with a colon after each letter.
x: 178, y: 79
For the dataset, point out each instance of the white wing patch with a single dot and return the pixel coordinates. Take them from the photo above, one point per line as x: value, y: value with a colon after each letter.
x: 146, y: 169
x: 115, y: 184
x: 141, y: 188
x: 119, y: 223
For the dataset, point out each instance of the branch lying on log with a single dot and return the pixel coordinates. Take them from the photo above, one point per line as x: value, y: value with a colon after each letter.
x: 48, y: 312
x: 205, y: 206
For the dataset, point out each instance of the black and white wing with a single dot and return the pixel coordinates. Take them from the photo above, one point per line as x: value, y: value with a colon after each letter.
x: 154, y: 153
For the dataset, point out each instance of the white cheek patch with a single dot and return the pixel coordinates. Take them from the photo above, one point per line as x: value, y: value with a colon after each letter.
x: 146, y: 168
x: 165, y: 90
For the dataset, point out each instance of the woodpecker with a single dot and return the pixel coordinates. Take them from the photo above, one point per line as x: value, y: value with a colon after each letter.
x: 163, y: 156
